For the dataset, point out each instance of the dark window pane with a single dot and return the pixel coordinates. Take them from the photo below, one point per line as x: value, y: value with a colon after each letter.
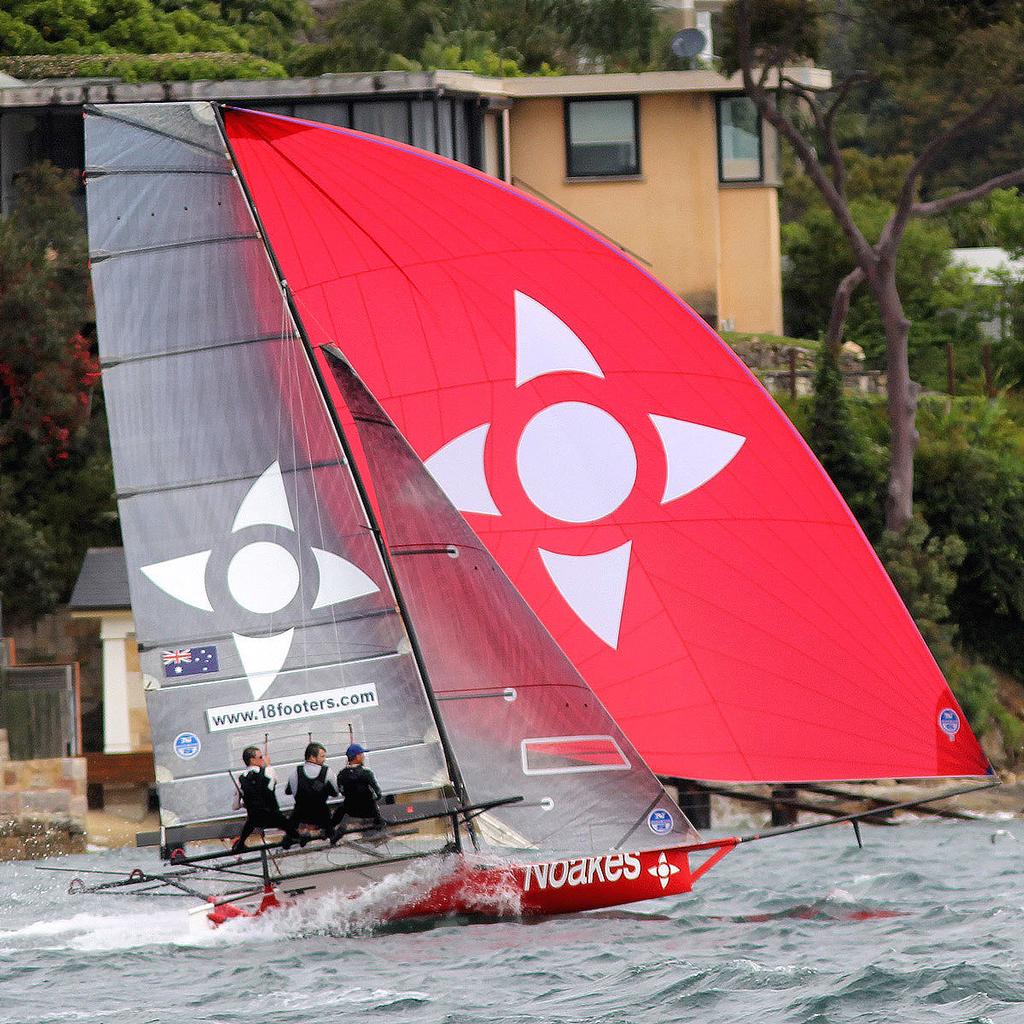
x: 423, y: 125
x: 602, y: 137
x: 326, y: 113
x: 389, y: 118
x: 739, y: 142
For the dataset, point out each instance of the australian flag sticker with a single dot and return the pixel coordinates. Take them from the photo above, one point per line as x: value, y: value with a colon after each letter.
x: 190, y: 661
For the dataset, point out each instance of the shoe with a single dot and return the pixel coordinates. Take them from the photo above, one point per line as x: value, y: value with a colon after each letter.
x: 287, y: 843
x: 303, y: 840
x: 236, y: 847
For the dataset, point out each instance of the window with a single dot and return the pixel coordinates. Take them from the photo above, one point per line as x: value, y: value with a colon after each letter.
x: 601, y: 137
x: 739, y: 140
x: 562, y: 755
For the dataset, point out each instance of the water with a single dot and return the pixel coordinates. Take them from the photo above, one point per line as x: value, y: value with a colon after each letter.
x: 924, y: 925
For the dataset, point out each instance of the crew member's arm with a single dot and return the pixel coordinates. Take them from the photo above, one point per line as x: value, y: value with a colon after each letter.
x: 372, y: 781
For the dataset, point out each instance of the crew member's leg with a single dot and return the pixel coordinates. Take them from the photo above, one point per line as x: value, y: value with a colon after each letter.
x: 247, y: 830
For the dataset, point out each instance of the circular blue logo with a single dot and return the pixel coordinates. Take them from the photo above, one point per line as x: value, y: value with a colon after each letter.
x: 187, y: 745
x: 949, y: 722
x: 659, y: 822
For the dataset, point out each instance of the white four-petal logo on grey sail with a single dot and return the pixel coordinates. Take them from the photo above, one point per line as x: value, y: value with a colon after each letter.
x: 263, y: 578
x: 577, y: 464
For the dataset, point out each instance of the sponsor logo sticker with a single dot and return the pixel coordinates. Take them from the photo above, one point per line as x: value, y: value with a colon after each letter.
x: 288, y: 709
x: 187, y: 745
x: 659, y: 822
x: 583, y: 871
x: 949, y: 722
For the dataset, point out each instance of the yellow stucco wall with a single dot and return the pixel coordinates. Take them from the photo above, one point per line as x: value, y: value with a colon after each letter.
x: 750, y: 278
x: 671, y: 217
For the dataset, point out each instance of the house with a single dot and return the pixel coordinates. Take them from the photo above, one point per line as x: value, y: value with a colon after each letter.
x: 675, y: 167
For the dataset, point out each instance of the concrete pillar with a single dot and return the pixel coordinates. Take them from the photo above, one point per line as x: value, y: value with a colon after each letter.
x: 117, y: 737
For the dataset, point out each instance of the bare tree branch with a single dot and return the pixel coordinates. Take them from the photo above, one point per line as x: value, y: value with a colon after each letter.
x: 862, y: 250
x: 905, y: 202
x: 841, y: 308
x: 828, y: 129
x: 968, y: 195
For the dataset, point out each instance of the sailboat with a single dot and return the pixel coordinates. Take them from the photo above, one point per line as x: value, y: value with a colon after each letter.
x: 406, y: 456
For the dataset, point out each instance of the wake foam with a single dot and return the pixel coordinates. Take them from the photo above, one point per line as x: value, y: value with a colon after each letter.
x: 342, y: 913
x: 89, y: 932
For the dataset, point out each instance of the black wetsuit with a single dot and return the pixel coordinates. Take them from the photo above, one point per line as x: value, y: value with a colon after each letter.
x: 311, y: 799
x: 262, y: 810
x: 360, y: 793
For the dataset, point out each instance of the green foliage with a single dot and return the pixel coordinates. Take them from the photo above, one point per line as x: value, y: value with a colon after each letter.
x: 123, y: 34
x: 56, y: 493
x: 923, y: 567
x: 270, y: 28
x: 841, y: 450
x: 938, y: 298
x: 499, y: 37
x: 795, y: 27
x: 970, y: 481
x: 109, y: 26
x: 931, y: 62
x: 464, y: 50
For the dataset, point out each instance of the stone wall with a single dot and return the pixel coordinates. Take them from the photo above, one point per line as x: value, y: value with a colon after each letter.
x: 42, y: 806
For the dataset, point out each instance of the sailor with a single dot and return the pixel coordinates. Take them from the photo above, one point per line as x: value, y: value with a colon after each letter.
x: 255, y: 791
x: 359, y: 791
x: 312, y: 789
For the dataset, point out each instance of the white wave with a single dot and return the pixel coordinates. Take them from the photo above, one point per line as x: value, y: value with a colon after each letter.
x: 840, y: 896
x: 346, y: 913
x: 104, y: 932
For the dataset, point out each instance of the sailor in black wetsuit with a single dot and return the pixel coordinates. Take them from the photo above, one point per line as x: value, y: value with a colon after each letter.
x: 312, y: 789
x: 359, y: 791
x: 256, y: 793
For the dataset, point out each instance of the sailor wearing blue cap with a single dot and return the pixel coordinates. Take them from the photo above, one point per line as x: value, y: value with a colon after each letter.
x: 359, y: 791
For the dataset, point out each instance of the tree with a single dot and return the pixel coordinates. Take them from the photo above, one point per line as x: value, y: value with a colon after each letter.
x: 838, y: 446
x: 109, y: 26
x: 56, y: 487
x: 109, y: 29
x: 972, y: 486
x: 534, y: 35
x: 968, y: 58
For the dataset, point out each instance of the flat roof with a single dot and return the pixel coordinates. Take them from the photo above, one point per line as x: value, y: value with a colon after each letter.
x: 75, y: 92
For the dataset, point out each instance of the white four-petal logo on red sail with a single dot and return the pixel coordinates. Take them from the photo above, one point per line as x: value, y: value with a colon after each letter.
x: 577, y: 464
x: 263, y: 578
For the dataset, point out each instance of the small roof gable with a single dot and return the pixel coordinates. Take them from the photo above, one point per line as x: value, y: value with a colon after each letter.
x: 103, y: 580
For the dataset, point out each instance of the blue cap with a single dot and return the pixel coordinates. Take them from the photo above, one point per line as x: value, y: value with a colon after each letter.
x: 354, y: 751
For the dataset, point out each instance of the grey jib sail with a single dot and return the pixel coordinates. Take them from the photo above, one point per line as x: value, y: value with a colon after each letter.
x: 517, y: 713
x: 260, y: 599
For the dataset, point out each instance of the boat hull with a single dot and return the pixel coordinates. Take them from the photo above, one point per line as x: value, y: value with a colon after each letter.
x: 473, y: 887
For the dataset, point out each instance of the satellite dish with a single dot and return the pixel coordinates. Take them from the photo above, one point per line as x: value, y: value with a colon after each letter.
x: 688, y: 43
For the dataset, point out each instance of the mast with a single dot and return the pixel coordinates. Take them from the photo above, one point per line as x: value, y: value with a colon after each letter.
x: 367, y: 506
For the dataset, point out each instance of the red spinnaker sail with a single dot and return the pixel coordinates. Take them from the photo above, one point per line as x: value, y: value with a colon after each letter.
x: 644, y: 493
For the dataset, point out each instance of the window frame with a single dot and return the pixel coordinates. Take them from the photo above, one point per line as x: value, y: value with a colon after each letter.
x: 722, y: 179
x: 574, y: 175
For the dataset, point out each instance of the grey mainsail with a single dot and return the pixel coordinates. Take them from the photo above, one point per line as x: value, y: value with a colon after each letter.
x: 261, y: 603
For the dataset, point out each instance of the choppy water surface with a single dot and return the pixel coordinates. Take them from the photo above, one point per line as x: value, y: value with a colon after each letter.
x: 924, y: 925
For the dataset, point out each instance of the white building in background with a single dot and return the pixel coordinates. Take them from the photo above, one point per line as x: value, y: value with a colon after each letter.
x: 989, y: 267
x: 101, y: 596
